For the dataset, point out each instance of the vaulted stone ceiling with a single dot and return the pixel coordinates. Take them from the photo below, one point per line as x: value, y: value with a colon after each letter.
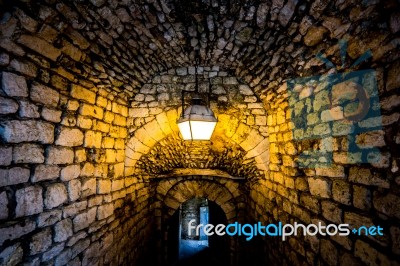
x: 258, y: 41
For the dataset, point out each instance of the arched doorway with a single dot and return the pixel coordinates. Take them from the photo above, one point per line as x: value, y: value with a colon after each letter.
x: 191, y: 248
x: 225, y: 193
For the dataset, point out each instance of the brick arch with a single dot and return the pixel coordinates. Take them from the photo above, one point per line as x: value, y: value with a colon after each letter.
x: 226, y: 194
x: 171, y: 193
x: 146, y: 137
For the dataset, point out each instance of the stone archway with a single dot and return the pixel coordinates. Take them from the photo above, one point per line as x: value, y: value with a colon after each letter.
x: 146, y: 137
x: 223, y: 192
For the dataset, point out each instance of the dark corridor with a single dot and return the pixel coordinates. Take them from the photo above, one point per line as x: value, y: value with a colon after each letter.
x: 217, y: 251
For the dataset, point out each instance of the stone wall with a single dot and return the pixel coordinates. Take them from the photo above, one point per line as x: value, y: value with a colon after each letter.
x: 63, y: 195
x: 239, y: 144
x: 353, y: 176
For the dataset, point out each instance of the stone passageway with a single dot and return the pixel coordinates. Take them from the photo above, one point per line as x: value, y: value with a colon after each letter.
x: 93, y: 167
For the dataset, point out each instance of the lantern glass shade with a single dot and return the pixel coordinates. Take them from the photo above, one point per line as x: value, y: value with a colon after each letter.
x: 197, y: 123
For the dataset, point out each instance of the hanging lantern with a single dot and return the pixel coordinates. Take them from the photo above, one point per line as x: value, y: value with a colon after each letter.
x: 197, y: 121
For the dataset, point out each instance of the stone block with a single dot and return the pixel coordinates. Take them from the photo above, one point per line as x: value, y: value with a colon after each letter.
x: 108, y: 117
x: 49, y: 218
x: 369, y: 254
x: 101, y: 126
x: 40, y: 242
x: 331, y: 211
x: 101, y: 101
x: 395, y: 236
x: 24, y: 67
x: 88, y: 170
x: 92, y: 139
x: 393, y: 76
x: 74, y: 189
x: 314, y: 35
x: 344, y: 91
x: 59, y: 155
x: 387, y: 204
x: 44, y: 95
x: 371, y: 139
x: 119, y: 132
x: 336, y: 113
x: 319, y: 187
x: 54, y: 251
x: 51, y: 115
x: 120, y: 109
x: 321, y: 101
x: 28, y: 110
x: 76, y: 237
x: 110, y: 155
x: 117, y: 185
x: 5, y: 156
x: 70, y: 172
x: 310, y: 203
x: 88, y: 187
x: 91, y: 111
x: 329, y: 252
x: 103, y: 186
x: 83, y: 220
x: 29, y: 201
x: 364, y: 176
x: 84, y: 122
x: 342, y: 128
x: 40, y: 46
x: 13, y: 176
x: 108, y: 143
x: 62, y: 230
x: 119, y: 120
x: 3, y: 205
x: 356, y: 220
x: 69, y: 137
x: 12, y: 255
x: 56, y: 194
x: 72, y: 209
x: 80, y: 155
x: 261, y: 120
x: 95, y: 201
x: 14, y: 85
x: 301, y: 184
x: 138, y: 112
x: 322, y: 129
x: 16, y: 231
x: 105, y: 211
x: 8, y: 106
x: 28, y: 153
x: 361, y: 197
x: 391, y: 102
x: 15, y: 131
x: 341, y: 192
x: 72, y: 105
x: 46, y: 172
x: 347, y: 157
x: 334, y: 171
x: 80, y: 93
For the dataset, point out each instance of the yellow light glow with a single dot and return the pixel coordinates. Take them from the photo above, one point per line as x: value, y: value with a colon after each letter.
x: 196, y: 130
x: 184, y: 128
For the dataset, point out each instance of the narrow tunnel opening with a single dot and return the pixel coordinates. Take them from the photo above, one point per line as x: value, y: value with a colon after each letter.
x: 188, y: 247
